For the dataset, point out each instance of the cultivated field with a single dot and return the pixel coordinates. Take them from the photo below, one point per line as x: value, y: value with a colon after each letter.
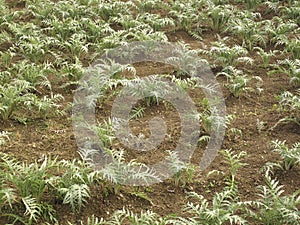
x: 252, y: 49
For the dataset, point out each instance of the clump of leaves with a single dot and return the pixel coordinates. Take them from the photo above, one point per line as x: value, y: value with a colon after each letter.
x: 48, y: 106
x: 219, y: 16
x: 210, y: 118
x: 225, y: 55
x: 237, y: 80
x: 120, y: 172
x: 272, y: 207
x: 224, y: 208
x: 4, y: 135
x: 125, y: 216
x: 189, y: 16
x: 293, y: 46
x: 15, y: 96
x: 234, y: 161
x: 288, y: 67
x: 35, y: 74
x: 290, y: 156
x: 137, y: 112
x: 251, y: 32
x: 265, y: 56
x: 151, y: 88
x: 291, y: 103
x: 252, y: 4
x: 105, y: 132
x: 25, y: 187
x: 183, y: 172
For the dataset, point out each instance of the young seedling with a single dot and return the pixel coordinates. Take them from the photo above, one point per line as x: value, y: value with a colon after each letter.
x: 183, y: 172
x: 288, y: 67
x: 120, y: 172
x: 290, y: 156
x: 235, y: 163
x: 222, y: 210
x: 15, y: 96
x: 4, y: 135
x: 248, y: 30
x: 237, y: 80
x: 225, y: 55
x: 293, y: 46
x: 137, y: 112
x: 265, y: 56
x: 252, y: 4
x: 49, y: 106
x: 272, y: 207
x: 219, y: 15
x: 291, y: 103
